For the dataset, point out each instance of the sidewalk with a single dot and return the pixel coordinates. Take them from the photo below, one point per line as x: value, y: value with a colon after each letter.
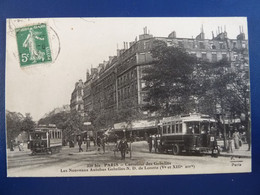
x: 242, y: 152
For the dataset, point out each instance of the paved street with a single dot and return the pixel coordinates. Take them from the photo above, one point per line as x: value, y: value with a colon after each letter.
x: 69, y: 160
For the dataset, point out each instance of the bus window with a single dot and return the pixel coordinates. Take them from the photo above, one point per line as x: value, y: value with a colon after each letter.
x: 180, y: 128
x: 196, y: 129
x: 204, y: 127
x: 164, y: 129
x: 177, y: 127
x: 168, y: 129
x: 44, y: 136
x: 192, y: 127
x: 173, y: 128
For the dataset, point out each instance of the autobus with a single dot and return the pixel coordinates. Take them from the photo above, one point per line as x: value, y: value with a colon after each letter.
x: 45, y: 139
x: 190, y: 133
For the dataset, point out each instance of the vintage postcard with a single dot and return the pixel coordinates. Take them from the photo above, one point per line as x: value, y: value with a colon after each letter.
x: 127, y: 96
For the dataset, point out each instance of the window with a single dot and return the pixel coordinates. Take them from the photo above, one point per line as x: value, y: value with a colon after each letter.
x: 214, y: 57
x: 168, y: 129
x: 222, y: 45
x: 173, y: 128
x: 177, y: 127
x: 164, y: 129
x: 224, y: 56
x: 44, y: 136
x: 180, y: 43
x: 213, y: 47
x: 202, y: 46
x: 141, y: 58
x: 204, y: 56
x: 192, y: 127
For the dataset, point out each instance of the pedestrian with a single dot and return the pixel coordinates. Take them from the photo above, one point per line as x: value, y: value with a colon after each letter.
x: 94, y: 141
x: 150, y: 143
x: 20, y: 146
x: 116, y: 138
x: 80, y: 143
x: 248, y: 140
x: 71, y: 143
x: 156, y: 143
x: 87, y: 143
x: 12, y: 145
x: 236, y: 138
x: 122, y: 147
x: 230, y: 143
x: 98, y: 143
x: 103, y: 144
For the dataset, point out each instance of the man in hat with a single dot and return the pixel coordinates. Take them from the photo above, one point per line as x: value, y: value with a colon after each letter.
x: 123, y: 146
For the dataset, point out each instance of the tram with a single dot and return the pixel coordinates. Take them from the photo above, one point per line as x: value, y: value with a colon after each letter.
x: 189, y: 133
x: 45, y: 140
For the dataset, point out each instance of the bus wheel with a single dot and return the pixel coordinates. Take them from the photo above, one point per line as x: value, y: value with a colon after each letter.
x: 176, y: 149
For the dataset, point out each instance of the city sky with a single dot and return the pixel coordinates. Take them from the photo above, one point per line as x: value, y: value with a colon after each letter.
x: 86, y: 42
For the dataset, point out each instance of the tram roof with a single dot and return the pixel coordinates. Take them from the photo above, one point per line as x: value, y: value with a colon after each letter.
x: 46, y: 129
x: 188, y: 117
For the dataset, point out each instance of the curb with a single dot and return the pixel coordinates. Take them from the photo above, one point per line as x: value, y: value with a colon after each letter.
x: 235, y: 155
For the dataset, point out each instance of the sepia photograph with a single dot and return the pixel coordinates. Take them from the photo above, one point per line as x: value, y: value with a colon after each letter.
x: 127, y: 96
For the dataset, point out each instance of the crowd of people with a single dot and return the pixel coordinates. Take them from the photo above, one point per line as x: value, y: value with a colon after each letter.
x: 153, y: 142
x: 19, y: 144
x: 99, y: 144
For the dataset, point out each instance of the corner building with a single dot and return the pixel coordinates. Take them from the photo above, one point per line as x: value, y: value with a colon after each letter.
x: 76, y: 101
x: 118, y: 81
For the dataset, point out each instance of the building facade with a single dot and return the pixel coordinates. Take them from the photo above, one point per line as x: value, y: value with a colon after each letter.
x: 76, y: 101
x: 118, y: 82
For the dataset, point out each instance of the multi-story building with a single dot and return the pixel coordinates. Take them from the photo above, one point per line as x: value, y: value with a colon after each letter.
x: 76, y: 101
x: 118, y: 81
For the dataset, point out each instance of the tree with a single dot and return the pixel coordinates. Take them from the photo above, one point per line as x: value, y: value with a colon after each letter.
x: 13, y: 125
x: 74, y: 124
x: 128, y: 112
x: 169, y: 81
x: 58, y: 119
x: 225, y: 91
x: 28, y: 124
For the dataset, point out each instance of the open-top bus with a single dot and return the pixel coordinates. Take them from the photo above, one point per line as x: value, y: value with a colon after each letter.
x: 190, y: 133
x: 45, y: 139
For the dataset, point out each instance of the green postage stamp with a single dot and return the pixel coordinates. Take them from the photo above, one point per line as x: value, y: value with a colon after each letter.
x: 33, y: 45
